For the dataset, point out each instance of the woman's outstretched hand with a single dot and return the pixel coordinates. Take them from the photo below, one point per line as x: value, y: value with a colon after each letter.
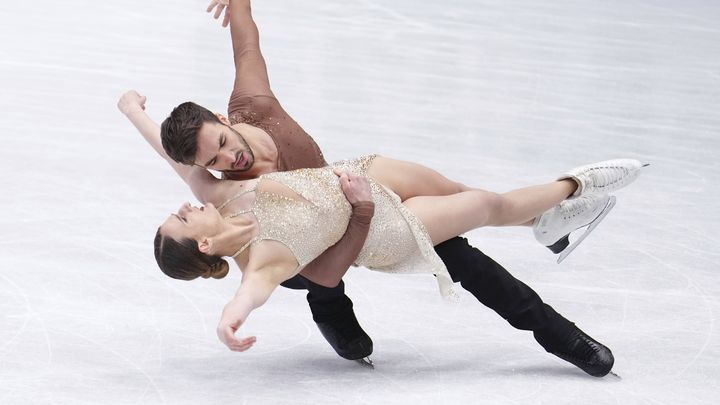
x: 219, y: 6
x: 232, y: 318
x: 131, y: 102
x: 356, y: 188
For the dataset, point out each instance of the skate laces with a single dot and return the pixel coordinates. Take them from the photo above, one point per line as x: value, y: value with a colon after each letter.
x: 607, y: 176
x: 575, y: 207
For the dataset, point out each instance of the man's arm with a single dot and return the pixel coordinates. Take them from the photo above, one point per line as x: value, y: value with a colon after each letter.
x: 330, y: 267
x: 251, y: 78
x: 201, y: 182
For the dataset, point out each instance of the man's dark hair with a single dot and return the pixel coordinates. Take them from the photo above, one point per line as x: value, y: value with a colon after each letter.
x: 179, y: 131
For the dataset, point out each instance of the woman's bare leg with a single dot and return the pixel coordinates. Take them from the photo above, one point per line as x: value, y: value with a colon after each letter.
x: 523, y: 205
x: 448, y: 216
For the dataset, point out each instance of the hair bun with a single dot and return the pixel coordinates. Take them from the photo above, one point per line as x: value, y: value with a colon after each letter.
x: 219, y: 269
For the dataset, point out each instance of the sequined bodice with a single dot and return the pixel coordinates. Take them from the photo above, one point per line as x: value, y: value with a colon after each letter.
x: 308, y: 223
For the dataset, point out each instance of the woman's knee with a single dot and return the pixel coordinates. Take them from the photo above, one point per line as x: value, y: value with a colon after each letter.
x: 497, y: 208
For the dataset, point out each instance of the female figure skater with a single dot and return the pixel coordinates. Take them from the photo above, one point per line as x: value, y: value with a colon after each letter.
x: 274, y: 225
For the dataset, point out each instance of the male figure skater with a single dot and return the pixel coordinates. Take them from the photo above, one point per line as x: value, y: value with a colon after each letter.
x: 260, y: 137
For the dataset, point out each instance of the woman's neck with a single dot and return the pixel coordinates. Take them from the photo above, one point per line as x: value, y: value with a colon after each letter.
x: 236, y: 232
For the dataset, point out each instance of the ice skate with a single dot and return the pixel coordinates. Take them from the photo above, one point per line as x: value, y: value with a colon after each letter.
x: 367, y: 362
x: 604, y: 177
x: 338, y: 324
x: 553, y: 228
x: 579, y: 349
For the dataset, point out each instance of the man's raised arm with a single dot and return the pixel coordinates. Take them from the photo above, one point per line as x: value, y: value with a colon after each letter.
x: 251, y: 78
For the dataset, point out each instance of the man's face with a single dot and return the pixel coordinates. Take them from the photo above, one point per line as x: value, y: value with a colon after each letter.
x: 219, y: 147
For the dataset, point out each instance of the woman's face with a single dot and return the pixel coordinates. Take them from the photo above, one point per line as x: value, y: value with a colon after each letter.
x: 193, y: 222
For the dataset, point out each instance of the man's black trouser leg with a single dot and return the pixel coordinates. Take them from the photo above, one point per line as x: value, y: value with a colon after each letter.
x: 498, y: 290
x: 333, y: 312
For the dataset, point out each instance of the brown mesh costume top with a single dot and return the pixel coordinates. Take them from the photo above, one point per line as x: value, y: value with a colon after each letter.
x: 296, y: 149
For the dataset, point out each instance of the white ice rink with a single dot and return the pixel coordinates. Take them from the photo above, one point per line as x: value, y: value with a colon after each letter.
x: 493, y: 93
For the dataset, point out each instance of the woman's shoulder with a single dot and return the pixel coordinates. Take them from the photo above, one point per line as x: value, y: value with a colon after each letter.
x: 228, y: 191
x: 270, y: 253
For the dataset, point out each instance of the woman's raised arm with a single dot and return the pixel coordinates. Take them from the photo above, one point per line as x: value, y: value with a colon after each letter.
x: 200, y: 181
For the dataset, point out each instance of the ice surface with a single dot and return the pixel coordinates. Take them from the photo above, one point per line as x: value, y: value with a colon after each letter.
x: 497, y: 94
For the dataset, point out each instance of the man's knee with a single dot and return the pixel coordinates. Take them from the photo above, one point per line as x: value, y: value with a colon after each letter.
x: 296, y: 283
x: 462, y: 260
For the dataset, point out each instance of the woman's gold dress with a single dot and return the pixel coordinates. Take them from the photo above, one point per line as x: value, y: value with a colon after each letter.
x: 397, y: 241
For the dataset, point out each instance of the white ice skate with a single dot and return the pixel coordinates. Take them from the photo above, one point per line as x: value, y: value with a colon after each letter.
x: 553, y: 228
x: 604, y: 177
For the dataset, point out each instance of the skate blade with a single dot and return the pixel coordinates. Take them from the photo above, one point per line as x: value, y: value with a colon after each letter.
x: 595, y: 222
x: 612, y: 374
x: 366, y: 362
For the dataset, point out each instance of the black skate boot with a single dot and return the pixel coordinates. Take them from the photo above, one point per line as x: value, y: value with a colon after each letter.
x: 579, y: 349
x: 342, y: 330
